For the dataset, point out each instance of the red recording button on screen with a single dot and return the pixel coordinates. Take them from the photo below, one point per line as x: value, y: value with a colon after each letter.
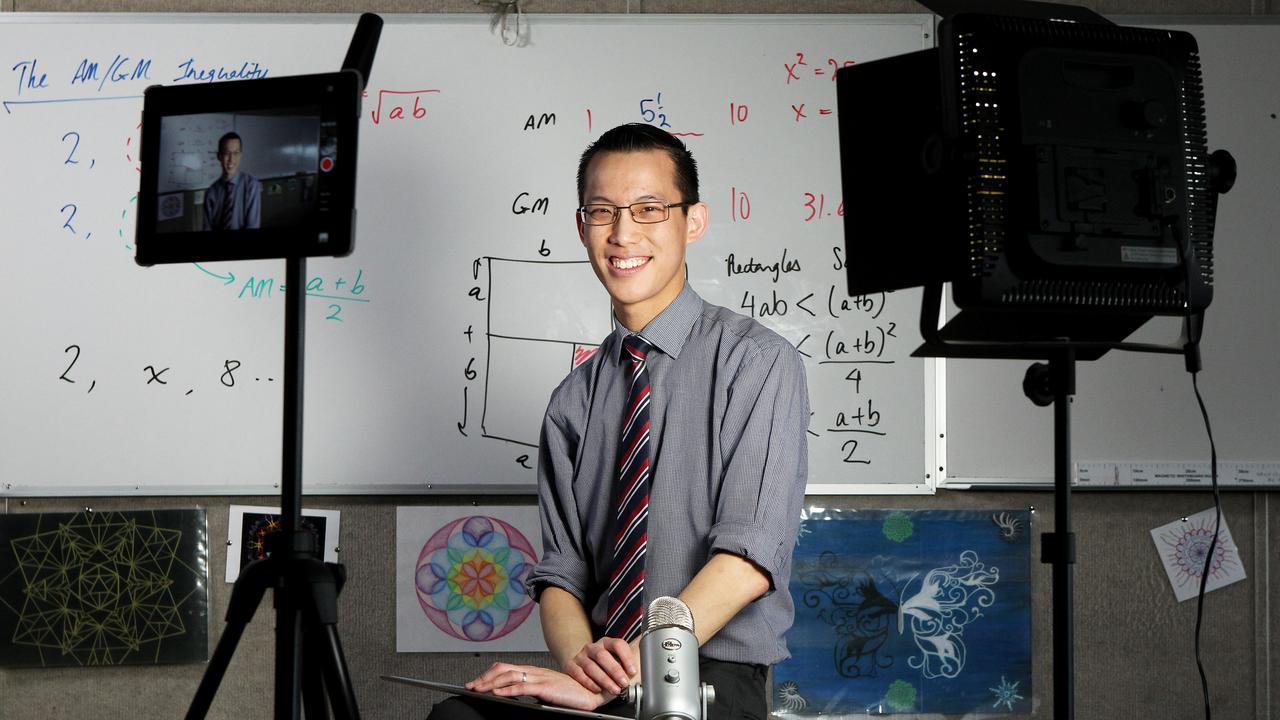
x: 326, y: 164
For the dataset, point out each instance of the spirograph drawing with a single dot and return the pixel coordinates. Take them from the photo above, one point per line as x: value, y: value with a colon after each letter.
x: 470, y: 578
x: 1187, y: 547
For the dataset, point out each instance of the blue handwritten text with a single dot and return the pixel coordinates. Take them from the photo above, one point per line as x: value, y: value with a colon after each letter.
x: 247, y: 71
x: 121, y: 69
x: 28, y: 77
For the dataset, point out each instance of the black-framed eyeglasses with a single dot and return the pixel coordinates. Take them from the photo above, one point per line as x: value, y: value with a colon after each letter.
x: 646, y: 213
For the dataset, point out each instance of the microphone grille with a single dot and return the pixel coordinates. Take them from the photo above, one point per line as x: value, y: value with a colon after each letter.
x: 668, y: 611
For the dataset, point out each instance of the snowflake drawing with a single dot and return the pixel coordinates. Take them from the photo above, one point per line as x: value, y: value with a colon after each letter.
x: 1006, y: 694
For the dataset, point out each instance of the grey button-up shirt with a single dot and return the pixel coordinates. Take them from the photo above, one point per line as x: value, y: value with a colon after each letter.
x: 245, y: 197
x: 729, y: 412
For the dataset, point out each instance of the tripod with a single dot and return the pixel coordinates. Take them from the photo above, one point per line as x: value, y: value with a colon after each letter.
x: 309, y: 663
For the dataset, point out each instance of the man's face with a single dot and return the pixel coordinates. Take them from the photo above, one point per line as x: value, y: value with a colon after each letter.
x: 229, y: 156
x: 640, y: 265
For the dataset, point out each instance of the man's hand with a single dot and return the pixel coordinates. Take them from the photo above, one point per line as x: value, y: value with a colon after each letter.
x: 606, y: 665
x: 556, y: 688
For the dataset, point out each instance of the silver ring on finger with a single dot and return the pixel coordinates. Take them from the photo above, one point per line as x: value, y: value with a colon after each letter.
x: 524, y: 676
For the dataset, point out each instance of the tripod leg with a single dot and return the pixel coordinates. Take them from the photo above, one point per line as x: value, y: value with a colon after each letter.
x: 323, y: 581
x: 245, y: 596
x: 313, y: 686
x: 336, y: 678
x: 288, y: 656
x: 213, y: 674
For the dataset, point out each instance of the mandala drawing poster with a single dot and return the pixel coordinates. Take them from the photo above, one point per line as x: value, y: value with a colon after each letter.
x: 1184, y: 546
x: 909, y: 612
x: 460, y: 574
x: 248, y: 527
x: 104, y: 588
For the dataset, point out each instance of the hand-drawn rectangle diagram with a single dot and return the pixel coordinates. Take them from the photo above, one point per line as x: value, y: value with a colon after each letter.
x: 544, y: 319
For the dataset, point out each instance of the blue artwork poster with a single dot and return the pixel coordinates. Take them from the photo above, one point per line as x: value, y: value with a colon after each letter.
x: 901, y: 611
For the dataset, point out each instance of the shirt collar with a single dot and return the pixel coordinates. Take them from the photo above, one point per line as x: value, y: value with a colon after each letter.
x: 670, y: 329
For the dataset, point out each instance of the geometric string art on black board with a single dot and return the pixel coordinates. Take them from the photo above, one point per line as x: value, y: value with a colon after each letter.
x: 103, y: 588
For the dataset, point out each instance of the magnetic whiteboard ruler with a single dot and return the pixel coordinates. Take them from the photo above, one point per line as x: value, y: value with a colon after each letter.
x: 1262, y: 475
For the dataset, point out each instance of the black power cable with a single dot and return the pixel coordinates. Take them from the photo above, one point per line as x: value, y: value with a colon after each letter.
x: 1191, y: 354
x: 1208, y: 559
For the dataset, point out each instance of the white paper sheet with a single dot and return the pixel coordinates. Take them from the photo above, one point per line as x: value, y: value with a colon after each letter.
x: 1183, y: 546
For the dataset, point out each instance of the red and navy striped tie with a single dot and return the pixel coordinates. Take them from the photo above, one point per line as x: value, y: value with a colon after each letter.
x: 228, y: 207
x: 626, y: 583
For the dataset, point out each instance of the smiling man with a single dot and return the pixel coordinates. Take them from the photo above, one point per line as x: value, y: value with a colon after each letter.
x: 234, y: 200
x: 673, y: 462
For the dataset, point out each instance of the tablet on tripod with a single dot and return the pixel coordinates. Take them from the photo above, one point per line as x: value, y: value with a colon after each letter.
x: 300, y: 133
x: 253, y: 169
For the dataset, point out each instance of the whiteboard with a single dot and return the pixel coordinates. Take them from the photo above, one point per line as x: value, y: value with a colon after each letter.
x: 431, y: 350
x: 1132, y: 408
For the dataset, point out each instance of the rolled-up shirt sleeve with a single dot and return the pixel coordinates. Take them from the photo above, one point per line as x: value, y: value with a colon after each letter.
x: 765, y: 456
x: 564, y: 561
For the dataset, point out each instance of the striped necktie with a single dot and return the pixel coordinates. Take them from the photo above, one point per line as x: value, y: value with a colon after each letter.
x: 228, y: 206
x: 631, y: 506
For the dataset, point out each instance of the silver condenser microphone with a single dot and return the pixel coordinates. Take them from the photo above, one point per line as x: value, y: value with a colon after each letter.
x: 669, y: 666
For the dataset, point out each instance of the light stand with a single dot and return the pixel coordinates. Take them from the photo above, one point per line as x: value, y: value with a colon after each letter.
x: 1071, y: 197
x: 310, y: 667
x: 1054, y: 384
x: 1044, y: 384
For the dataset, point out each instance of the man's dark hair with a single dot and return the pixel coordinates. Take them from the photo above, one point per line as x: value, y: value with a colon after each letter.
x: 229, y: 136
x: 638, y: 137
